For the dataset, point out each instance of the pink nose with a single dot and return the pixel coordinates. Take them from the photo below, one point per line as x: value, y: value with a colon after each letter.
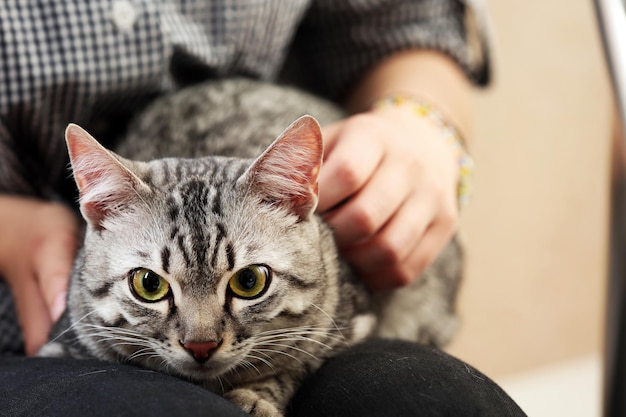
x: 201, y: 351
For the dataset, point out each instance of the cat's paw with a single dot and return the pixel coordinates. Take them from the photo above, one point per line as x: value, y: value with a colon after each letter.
x: 252, y: 403
x: 53, y: 350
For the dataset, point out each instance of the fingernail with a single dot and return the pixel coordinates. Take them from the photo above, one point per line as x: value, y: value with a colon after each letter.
x: 58, y: 306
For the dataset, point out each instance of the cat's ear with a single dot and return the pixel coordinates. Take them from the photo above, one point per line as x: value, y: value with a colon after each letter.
x: 105, y: 184
x: 286, y: 173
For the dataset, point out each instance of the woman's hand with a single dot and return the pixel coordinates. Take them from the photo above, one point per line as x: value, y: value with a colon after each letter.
x: 388, y: 189
x: 38, y: 241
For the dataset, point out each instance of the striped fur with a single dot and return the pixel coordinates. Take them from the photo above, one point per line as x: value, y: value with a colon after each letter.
x: 197, y: 220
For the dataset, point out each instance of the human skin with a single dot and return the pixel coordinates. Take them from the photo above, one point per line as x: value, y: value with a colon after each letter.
x: 388, y: 186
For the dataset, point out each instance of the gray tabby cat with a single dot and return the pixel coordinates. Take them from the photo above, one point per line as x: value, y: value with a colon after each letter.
x: 216, y: 268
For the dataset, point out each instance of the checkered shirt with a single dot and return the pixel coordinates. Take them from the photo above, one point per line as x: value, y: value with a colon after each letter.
x: 96, y: 62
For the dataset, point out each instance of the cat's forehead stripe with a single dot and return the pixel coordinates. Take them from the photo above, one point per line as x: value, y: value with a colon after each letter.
x: 230, y: 255
x: 217, y: 200
x: 195, y: 194
x: 165, y: 259
x: 174, y: 232
x: 181, y: 246
x: 219, y: 237
x: 173, y: 209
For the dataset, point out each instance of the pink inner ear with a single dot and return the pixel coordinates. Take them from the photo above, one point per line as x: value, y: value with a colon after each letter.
x: 106, y: 186
x: 84, y: 150
x: 288, y: 170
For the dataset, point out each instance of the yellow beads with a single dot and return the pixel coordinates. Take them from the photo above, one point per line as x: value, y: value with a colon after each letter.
x: 450, y: 135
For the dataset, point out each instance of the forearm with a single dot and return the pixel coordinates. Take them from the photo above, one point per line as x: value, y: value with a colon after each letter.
x: 424, y: 74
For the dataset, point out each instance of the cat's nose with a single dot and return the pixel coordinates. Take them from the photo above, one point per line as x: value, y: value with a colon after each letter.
x: 201, y: 351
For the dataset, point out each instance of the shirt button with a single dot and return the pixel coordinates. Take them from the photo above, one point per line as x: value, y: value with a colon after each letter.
x: 124, y: 15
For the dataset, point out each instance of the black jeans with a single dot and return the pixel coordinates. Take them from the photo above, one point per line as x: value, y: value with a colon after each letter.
x: 377, y: 378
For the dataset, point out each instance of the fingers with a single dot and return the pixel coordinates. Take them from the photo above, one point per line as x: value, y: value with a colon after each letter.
x: 32, y: 313
x: 365, y: 214
x: 37, y: 247
x: 53, y: 261
x: 386, y: 276
x: 395, y: 241
x: 400, y: 251
x: 349, y: 163
x: 388, y: 190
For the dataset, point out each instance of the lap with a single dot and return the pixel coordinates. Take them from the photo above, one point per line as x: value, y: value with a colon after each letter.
x: 375, y: 378
x: 70, y: 387
x: 394, y: 378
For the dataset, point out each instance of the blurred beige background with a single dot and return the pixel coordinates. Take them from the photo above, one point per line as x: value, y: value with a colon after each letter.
x: 536, y: 230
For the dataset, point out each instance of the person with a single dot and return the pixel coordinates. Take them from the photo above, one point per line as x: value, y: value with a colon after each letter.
x: 389, y: 186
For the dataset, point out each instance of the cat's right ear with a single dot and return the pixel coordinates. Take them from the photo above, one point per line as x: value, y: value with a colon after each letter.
x: 105, y: 184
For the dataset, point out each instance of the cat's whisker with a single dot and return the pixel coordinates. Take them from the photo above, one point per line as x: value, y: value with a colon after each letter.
x: 117, y: 331
x: 147, y: 348
x: 297, y: 349
x: 219, y: 379
x: 266, y: 362
x: 301, y: 338
x: 249, y: 365
x: 262, y: 353
x: 147, y: 351
x: 141, y: 352
x: 320, y: 330
x: 300, y: 334
x: 111, y: 333
x: 280, y: 341
x: 329, y: 318
x: 279, y: 352
x: 245, y: 364
x: 120, y: 330
x: 123, y: 343
x: 73, y: 325
x: 289, y: 330
x: 120, y: 337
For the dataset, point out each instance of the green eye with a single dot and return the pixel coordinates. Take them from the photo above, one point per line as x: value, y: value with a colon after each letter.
x: 250, y: 282
x: 148, y: 286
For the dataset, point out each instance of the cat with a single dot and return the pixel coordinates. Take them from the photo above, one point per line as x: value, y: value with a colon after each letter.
x: 209, y: 262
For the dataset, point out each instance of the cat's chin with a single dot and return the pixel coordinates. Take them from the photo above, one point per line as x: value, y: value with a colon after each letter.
x: 204, y: 372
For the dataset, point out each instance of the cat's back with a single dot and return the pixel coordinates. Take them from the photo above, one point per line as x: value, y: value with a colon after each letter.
x: 233, y: 117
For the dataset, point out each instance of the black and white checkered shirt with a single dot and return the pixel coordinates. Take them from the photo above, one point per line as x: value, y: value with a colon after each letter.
x: 95, y: 62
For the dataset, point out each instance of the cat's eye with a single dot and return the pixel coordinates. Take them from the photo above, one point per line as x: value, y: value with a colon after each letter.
x: 251, y: 281
x: 148, y: 285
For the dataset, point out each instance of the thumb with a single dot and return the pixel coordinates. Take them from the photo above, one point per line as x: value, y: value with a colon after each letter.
x: 52, y: 266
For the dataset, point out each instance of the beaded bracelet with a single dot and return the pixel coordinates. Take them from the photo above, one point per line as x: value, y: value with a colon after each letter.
x: 450, y: 134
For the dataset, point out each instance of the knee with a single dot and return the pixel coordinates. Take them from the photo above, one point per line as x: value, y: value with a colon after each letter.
x: 383, y: 377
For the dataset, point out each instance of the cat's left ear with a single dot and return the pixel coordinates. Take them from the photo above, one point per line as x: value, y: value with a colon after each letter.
x: 286, y: 173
